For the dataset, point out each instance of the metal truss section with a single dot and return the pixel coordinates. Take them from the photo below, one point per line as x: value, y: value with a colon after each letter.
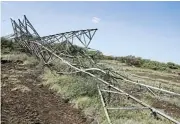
x: 84, y: 37
x: 63, y: 43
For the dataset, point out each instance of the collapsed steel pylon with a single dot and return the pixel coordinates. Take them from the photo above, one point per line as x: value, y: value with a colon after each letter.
x: 59, y: 49
x: 62, y: 43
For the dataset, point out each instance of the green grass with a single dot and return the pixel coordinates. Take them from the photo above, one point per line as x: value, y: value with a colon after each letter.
x: 73, y: 86
x: 81, y: 92
x: 83, y: 95
x: 27, y: 60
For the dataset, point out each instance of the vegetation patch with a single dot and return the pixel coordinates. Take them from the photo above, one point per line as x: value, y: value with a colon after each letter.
x: 144, y: 63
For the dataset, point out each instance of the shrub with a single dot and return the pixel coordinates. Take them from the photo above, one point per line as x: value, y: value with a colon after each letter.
x: 8, y: 46
x: 172, y: 65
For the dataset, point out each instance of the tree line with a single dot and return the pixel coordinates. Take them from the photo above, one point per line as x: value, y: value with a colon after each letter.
x: 144, y: 63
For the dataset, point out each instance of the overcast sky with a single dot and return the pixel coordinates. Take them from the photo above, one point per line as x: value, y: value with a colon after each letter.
x: 150, y: 30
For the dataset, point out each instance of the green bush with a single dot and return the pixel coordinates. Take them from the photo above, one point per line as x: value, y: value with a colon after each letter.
x: 8, y: 45
x: 172, y: 65
x: 82, y: 87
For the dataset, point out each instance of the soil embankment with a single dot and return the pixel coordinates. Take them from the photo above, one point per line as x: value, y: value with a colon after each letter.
x: 26, y: 101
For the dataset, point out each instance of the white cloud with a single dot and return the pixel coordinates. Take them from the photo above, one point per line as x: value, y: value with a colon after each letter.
x: 96, y: 20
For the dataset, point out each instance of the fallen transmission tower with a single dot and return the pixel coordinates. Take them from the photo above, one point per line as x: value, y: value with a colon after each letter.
x: 59, y: 52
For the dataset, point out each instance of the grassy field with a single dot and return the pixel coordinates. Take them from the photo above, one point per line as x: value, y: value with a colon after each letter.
x: 81, y: 92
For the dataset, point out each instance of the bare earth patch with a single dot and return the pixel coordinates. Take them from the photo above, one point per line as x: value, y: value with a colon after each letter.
x: 25, y: 102
x: 169, y: 108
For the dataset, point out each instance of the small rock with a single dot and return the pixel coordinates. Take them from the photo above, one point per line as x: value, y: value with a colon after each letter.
x: 22, y: 88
